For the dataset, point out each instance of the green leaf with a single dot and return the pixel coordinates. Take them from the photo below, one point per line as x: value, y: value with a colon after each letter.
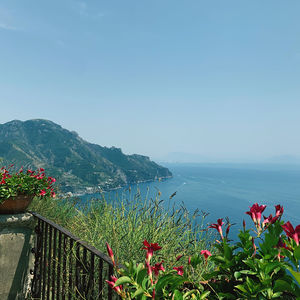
x: 141, y: 275
x: 251, y: 284
x: 296, y: 275
x: 248, y: 272
x: 250, y: 263
x: 237, y: 275
x: 218, y: 259
x: 138, y: 292
x: 144, y: 283
x: 297, y: 253
x: 196, y: 260
x: 139, y: 267
x: 281, y: 286
x: 204, y: 295
x: 177, y: 295
x: 271, y: 266
x: 190, y: 292
x: 173, y: 280
x: 144, y: 297
x: 277, y: 295
x: 227, y: 252
x: 122, y: 280
x: 241, y: 288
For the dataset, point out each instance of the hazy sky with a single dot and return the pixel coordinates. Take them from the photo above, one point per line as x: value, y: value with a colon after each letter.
x: 215, y: 78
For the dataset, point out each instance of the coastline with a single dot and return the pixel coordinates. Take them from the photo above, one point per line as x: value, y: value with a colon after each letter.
x: 97, y: 189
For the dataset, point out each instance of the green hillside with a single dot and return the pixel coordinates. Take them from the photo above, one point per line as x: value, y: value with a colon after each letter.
x: 75, y: 163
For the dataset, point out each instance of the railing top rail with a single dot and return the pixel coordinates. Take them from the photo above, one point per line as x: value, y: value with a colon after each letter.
x: 73, y: 237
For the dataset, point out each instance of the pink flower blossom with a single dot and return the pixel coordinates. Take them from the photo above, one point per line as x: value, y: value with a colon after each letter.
x: 158, y: 267
x: 281, y: 244
x: 218, y: 226
x: 205, y: 253
x: 227, y: 229
x: 179, y: 270
x: 150, y: 249
x: 291, y: 232
x: 255, y: 213
x: 279, y: 210
x: 178, y: 257
x: 110, y: 253
x: 111, y: 283
x: 270, y: 220
x: 42, y: 193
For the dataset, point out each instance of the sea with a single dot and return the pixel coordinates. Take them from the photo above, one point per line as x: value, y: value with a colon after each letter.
x: 223, y: 190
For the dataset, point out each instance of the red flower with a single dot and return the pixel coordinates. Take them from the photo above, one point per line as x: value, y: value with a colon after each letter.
x: 279, y: 210
x: 255, y: 212
x: 110, y: 253
x: 270, y: 219
x: 178, y: 257
x: 150, y: 249
x: 218, y: 226
x: 227, y: 229
x: 158, y: 267
x: 179, y: 270
x: 205, y: 253
x: 51, y: 180
x: 281, y: 244
x: 42, y: 192
x: 291, y: 232
x: 111, y: 283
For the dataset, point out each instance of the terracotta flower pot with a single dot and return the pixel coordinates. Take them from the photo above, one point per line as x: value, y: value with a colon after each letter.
x: 15, y: 205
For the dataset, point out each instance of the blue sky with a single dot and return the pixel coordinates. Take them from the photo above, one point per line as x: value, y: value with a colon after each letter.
x: 218, y: 79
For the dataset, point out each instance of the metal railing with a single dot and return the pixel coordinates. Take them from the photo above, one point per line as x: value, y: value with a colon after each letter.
x: 66, y: 267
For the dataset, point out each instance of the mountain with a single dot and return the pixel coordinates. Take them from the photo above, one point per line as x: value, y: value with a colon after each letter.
x: 77, y: 164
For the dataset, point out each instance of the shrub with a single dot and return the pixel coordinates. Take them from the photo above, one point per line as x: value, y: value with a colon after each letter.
x: 23, y: 182
x: 264, y: 265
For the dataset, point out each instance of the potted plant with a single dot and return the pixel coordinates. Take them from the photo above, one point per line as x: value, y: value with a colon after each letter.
x: 18, y: 188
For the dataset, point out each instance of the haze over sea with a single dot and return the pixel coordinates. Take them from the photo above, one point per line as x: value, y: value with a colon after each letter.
x: 226, y: 189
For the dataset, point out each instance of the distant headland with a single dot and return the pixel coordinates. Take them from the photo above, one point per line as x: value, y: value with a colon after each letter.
x: 78, y: 165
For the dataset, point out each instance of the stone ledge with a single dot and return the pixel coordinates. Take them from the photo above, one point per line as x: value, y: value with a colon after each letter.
x: 17, y: 220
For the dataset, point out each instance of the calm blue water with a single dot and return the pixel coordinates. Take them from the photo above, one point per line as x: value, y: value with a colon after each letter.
x: 227, y: 190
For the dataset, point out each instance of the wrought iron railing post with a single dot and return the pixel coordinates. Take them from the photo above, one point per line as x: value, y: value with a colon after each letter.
x: 36, y: 282
x: 66, y: 266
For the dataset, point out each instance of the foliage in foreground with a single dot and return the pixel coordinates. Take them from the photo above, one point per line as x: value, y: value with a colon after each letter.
x: 126, y: 224
x: 260, y: 266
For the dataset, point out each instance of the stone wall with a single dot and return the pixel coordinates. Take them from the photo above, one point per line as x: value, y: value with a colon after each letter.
x: 16, y: 259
